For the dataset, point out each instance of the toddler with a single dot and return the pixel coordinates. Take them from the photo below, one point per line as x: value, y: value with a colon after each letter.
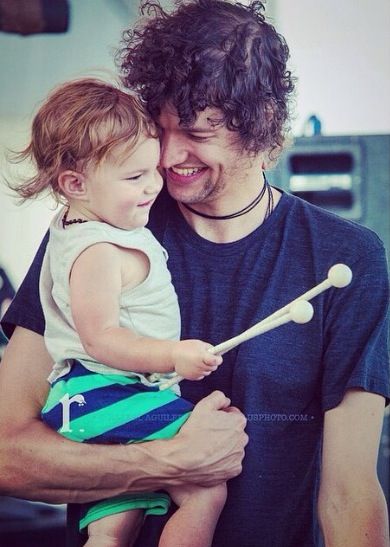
x: 111, y: 312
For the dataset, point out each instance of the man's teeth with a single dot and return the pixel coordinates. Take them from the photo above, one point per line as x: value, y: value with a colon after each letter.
x: 187, y: 171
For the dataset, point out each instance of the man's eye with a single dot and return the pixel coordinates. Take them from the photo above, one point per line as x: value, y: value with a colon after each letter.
x: 197, y: 138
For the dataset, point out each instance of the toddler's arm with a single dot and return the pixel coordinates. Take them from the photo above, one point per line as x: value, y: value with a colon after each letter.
x: 95, y: 285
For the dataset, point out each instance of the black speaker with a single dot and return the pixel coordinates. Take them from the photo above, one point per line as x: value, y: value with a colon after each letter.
x: 350, y: 176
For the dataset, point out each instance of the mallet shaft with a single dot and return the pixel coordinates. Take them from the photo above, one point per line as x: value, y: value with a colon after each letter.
x: 260, y: 328
x: 279, y: 317
x: 315, y: 291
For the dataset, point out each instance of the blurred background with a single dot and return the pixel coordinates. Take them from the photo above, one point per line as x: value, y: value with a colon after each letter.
x: 340, y: 52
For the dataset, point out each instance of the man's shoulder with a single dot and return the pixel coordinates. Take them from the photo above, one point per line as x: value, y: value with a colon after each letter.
x: 329, y: 230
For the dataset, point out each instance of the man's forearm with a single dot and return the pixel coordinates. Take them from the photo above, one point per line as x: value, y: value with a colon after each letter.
x: 38, y: 464
x: 358, y: 521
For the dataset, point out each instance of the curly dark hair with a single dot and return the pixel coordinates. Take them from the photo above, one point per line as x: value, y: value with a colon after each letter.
x: 212, y: 53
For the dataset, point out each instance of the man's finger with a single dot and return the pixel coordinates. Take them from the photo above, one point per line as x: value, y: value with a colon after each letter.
x: 215, y: 401
x: 232, y: 409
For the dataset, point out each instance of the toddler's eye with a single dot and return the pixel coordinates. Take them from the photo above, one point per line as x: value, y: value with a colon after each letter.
x: 134, y: 178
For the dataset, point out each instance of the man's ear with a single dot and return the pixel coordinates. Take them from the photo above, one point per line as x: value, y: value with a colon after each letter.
x: 72, y: 184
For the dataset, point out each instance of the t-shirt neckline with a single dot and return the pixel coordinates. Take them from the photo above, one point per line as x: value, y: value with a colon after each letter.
x: 186, y: 233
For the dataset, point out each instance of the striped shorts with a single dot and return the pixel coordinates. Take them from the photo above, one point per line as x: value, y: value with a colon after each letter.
x: 85, y: 406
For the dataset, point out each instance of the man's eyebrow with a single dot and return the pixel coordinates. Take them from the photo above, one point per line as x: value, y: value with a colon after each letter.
x: 207, y: 129
x: 213, y: 124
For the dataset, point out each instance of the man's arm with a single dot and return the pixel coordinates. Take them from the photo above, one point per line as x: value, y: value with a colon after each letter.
x: 352, y: 507
x: 38, y: 464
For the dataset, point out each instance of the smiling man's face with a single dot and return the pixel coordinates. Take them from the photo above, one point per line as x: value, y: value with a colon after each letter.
x: 201, y: 162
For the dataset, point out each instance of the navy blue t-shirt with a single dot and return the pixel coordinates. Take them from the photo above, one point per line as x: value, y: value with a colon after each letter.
x: 285, y: 380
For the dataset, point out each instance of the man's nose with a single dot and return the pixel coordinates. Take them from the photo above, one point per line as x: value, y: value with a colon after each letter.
x: 173, y: 150
x: 155, y: 184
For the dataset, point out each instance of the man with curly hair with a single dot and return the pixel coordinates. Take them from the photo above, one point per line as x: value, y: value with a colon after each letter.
x: 213, y: 75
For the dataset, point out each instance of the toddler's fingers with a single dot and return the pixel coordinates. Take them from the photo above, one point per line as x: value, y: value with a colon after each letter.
x: 212, y: 360
x: 207, y: 369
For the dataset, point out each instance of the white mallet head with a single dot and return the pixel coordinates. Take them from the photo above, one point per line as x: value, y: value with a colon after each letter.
x: 301, y: 311
x: 340, y: 275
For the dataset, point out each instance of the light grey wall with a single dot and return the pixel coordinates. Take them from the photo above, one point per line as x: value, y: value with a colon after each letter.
x: 31, y: 65
x: 340, y: 51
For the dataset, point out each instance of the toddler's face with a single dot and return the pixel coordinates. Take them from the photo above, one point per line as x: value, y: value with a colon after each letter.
x: 124, y: 186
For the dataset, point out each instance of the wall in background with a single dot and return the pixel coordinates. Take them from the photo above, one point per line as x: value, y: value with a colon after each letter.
x: 30, y: 67
x: 340, y: 52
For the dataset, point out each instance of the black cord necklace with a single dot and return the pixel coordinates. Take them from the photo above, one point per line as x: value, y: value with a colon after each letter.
x: 66, y: 222
x: 270, y: 206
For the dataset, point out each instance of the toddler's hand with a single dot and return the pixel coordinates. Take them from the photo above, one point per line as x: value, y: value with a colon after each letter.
x: 193, y: 360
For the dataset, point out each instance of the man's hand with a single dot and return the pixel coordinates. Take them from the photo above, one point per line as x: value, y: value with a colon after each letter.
x: 209, y: 448
x: 193, y: 360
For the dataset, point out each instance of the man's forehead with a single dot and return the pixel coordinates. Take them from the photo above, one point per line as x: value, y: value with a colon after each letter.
x: 206, y: 120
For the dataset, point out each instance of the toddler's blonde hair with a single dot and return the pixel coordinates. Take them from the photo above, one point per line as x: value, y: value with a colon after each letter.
x: 80, y: 122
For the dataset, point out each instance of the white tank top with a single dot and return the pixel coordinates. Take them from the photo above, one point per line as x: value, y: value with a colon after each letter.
x: 149, y: 309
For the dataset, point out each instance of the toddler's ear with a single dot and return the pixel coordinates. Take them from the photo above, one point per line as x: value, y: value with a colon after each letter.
x: 72, y: 184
